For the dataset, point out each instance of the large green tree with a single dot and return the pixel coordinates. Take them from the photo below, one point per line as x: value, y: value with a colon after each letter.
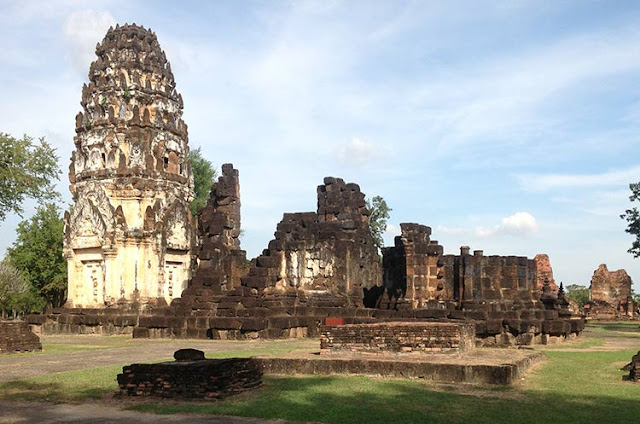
x: 27, y: 170
x: 378, y: 219
x: 37, y: 252
x: 632, y: 216
x: 204, y: 175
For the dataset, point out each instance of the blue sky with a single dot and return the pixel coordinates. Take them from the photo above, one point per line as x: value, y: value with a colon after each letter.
x: 509, y: 126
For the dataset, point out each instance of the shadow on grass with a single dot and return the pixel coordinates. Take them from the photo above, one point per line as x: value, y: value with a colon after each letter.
x: 47, y: 392
x: 365, y: 400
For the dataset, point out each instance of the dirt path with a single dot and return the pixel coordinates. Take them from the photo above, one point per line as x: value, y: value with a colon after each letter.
x: 47, y: 413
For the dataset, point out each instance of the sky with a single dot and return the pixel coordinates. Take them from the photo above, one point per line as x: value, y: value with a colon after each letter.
x: 512, y: 127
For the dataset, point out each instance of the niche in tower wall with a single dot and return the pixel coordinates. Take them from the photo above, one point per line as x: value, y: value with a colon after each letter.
x: 93, y: 277
x: 175, y: 272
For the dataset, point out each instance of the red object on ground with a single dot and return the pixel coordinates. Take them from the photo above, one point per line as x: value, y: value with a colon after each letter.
x: 333, y: 321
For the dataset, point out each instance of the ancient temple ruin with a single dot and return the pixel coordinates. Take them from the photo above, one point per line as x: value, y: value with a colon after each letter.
x: 131, y: 241
x: 129, y: 237
x: 610, y: 295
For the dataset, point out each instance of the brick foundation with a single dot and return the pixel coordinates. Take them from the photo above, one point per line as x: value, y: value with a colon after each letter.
x: 205, y: 379
x: 16, y: 336
x: 398, y: 337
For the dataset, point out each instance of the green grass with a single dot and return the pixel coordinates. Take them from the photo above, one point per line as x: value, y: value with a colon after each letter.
x: 92, y: 383
x: 274, y: 348
x: 56, y: 345
x: 571, y: 387
x: 629, y: 329
x: 72, y: 386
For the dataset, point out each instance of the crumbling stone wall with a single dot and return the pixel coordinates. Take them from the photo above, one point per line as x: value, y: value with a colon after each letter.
x: 398, y: 337
x: 129, y: 237
x: 222, y: 263
x: 328, y: 253
x: 16, y: 336
x: 416, y: 270
x: 490, y: 278
x: 610, y: 295
x: 411, y: 271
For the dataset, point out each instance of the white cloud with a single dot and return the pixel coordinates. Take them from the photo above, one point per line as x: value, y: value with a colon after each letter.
x: 518, y: 224
x: 544, y: 182
x: 359, y: 152
x: 83, y: 29
x: 441, y: 229
x: 390, y: 234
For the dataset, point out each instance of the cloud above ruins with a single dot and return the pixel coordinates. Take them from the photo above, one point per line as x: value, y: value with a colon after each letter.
x: 359, y: 152
x: 518, y: 224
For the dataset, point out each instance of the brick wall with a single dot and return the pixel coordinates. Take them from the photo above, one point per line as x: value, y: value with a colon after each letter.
x: 208, y: 378
x: 16, y: 336
x: 398, y: 337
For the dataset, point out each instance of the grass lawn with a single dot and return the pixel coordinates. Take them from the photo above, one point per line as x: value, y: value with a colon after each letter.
x: 569, y: 387
x: 628, y: 329
x: 72, y: 386
x: 60, y: 345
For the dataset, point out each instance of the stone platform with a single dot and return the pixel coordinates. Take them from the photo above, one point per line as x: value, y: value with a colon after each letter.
x: 481, y: 366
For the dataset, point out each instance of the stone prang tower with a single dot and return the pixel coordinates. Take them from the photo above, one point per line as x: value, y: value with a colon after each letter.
x: 129, y: 237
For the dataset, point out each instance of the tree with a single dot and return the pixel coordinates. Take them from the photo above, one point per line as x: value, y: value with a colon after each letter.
x: 633, y: 219
x: 204, y: 175
x: 37, y: 252
x: 27, y: 170
x: 378, y: 219
x: 578, y: 293
x: 12, y: 283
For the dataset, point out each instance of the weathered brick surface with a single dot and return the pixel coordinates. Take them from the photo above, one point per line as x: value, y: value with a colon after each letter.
x: 222, y: 262
x: 16, y: 336
x: 411, y: 271
x: 611, y: 295
x: 326, y: 257
x: 207, y: 379
x: 398, y: 337
x: 634, y: 368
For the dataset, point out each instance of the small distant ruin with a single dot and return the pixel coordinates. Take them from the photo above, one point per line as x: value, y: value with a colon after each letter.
x: 139, y: 263
x: 544, y: 272
x: 611, y: 297
x: 16, y: 336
